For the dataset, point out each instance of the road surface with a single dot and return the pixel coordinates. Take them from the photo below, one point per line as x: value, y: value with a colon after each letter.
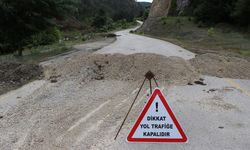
x: 131, y: 43
x: 74, y: 114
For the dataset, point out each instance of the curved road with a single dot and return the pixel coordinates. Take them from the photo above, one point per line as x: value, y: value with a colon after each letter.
x: 131, y: 43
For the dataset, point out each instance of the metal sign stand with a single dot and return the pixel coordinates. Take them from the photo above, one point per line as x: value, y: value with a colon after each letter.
x: 149, y: 75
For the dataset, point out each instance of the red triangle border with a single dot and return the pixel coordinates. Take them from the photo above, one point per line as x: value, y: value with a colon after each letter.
x: 171, y: 114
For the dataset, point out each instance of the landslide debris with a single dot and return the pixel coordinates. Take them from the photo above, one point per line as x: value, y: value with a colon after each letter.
x: 15, y: 74
x: 125, y: 68
x: 222, y: 66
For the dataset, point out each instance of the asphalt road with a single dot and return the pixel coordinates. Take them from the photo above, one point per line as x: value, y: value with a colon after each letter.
x: 214, y: 116
x: 131, y: 43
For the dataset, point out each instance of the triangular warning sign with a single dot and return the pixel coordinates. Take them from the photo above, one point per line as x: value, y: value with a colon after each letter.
x: 157, y: 123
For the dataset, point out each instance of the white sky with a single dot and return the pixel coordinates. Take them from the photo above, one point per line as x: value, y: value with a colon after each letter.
x: 144, y: 0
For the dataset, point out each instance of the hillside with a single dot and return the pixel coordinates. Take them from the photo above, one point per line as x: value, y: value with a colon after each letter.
x: 145, y: 4
x: 114, y: 8
x: 196, y: 26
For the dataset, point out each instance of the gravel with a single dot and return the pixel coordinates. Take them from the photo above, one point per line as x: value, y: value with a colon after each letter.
x: 16, y: 74
x: 222, y: 66
x: 125, y: 68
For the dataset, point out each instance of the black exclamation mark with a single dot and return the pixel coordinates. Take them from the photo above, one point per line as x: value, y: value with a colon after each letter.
x: 156, y: 105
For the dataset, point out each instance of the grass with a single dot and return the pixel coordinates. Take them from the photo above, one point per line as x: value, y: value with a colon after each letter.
x: 40, y: 53
x: 200, y: 39
x: 68, y: 39
x: 119, y: 25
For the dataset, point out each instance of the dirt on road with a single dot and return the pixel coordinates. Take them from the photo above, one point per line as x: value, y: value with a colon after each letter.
x: 16, y: 74
x: 124, y: 68
x: 222, y: 66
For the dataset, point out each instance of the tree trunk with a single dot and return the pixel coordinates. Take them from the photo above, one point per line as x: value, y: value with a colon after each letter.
x: 20, y: 52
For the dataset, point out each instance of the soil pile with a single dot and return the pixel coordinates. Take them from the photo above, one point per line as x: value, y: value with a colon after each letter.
x: 125, y: 67
x: 222, y: 66
x: 15, y: 74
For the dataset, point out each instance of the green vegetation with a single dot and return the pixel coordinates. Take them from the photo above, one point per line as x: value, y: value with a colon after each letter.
x: 219, y: 38
x: 216, y: 26
x: 116, y: 9
x: 36, y: 23
x: 20, y: 20
x: 35, y: 54
x: 46, y: 37
x: 211, y: 12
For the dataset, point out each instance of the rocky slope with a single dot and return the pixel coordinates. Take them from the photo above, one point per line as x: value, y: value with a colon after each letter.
x: 158, y: 9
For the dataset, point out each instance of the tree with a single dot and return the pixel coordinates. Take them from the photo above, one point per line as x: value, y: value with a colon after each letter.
x: 213, y: 11
x: 120, y: 15
x: 145, y: 13
x: 241, y: 13
x: 173, y: 8
x: 100, y: 19
x: 22, y: 19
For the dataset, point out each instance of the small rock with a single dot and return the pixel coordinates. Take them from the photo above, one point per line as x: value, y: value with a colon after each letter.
x: 218, y: 76
x: 14, y: 140
x: 221, y: 127
x: 53, y: 80
x: 99, y: 78
x: 39, y: 140
x: 1, y: 117
x: 211, y: 90
x: 200, y: 83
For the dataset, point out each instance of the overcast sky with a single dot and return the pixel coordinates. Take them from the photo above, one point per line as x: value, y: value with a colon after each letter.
x: 144, y: 0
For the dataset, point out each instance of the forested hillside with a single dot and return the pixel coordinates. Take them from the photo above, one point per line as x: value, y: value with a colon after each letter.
x: 212, y: 12
x: 117, y: 9
x: 38, y: 22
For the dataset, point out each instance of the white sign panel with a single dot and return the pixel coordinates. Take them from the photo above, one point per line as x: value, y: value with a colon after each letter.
x: 157, y: 123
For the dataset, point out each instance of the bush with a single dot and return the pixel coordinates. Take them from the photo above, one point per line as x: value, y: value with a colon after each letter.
x: 6, y: 48
x: 108, y: 26
x: 210, y: 32
x: 46, y: 37
x: 214, y: 11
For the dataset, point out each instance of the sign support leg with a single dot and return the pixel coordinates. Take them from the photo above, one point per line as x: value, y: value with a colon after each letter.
x: 130, y: 109
x: 149, y: 75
